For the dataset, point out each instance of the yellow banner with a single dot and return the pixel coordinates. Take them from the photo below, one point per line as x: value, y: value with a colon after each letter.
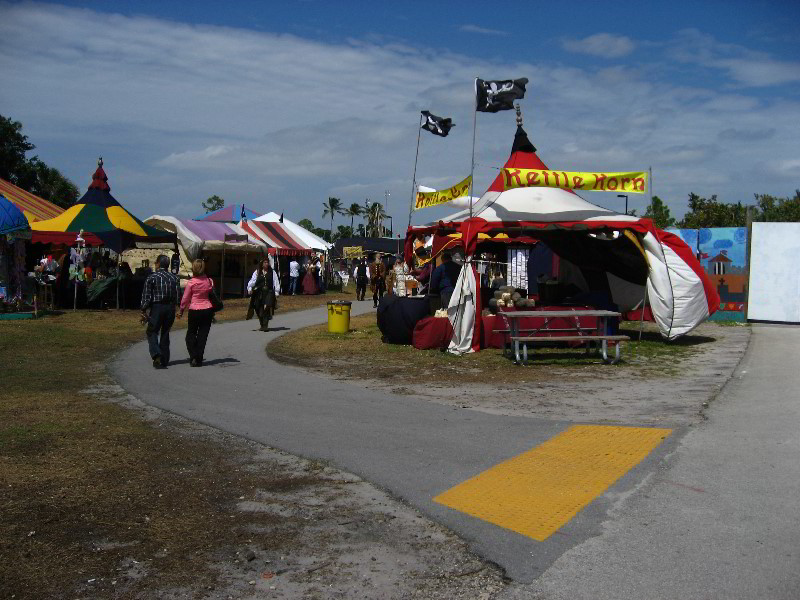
x: 426, y: 199
x: 633, y: 183
x: 352, y: 251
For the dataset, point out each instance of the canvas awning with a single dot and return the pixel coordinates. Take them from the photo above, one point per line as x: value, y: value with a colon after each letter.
x: 310, y: 240
x: 33, y: 207
x: 277, y: 236
x: 199, y: 236
x: 228, y: 214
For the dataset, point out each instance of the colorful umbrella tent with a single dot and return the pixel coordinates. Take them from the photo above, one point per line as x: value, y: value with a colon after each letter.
x: 11, y: 217
x: 302, y: 234
x: 33, y: 207
x: 98, y: 213
x: 229, y: 214
x: 229, y: 258
x: 623, y: 254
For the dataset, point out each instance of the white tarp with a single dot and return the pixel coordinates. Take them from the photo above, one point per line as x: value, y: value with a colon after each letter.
x: 461, y: 311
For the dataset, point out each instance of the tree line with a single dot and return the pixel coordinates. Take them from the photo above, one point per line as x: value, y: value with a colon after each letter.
x: 31, y: 174
x: 710, y: 212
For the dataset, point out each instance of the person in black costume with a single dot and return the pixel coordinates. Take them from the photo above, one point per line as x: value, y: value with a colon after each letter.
x: 362, y: 279
x: 263, y: 300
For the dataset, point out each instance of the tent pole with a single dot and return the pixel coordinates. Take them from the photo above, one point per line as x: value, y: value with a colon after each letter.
x: 414, y: 177
x: 641, y: 316
x: 118, y: 259
x: 474, y: 129
x: 244, y: 274
x: 222, y: 272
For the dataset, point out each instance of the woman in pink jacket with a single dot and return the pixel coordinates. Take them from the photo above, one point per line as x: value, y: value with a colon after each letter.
x: 195, y: 298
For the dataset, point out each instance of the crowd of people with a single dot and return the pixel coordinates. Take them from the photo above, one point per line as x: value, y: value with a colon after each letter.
x: 162, y: 301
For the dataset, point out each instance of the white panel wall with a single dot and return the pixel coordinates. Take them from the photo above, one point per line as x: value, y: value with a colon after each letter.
x: 774, y: 272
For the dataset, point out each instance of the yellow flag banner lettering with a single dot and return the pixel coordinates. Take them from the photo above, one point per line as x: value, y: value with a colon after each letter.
x: 633, y: 183
x: 353, y: 251
x: 426, y: 199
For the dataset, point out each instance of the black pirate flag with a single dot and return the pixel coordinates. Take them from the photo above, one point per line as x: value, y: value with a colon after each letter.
x: 494, y: 96
x: 437, y: 125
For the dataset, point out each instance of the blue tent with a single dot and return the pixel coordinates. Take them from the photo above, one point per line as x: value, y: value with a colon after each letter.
x: 11, y: 218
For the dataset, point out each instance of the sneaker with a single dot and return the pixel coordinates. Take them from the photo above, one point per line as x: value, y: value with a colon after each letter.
x: 157, y: 363
x: 194, y: 363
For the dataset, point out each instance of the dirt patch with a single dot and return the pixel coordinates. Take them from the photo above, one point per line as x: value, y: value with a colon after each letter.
x: 657, y: 382
x: 292, y: 528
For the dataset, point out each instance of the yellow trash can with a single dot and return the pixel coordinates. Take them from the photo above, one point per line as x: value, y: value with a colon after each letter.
x: 339, y: 316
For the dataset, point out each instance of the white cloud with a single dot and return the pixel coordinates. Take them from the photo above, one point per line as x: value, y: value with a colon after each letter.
x: 181, y: 112
x: 744, y: 66
x: 481, y: 30
x: 605, y: 45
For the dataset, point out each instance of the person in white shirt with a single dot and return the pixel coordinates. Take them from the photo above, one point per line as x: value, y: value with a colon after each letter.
x: 294, y: 276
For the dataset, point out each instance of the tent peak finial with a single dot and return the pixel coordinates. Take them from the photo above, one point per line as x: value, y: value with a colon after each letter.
x: 518, y: 108
x: 100, y: 161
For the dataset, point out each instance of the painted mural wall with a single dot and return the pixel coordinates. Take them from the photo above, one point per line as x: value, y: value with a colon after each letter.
x: 722, y: 251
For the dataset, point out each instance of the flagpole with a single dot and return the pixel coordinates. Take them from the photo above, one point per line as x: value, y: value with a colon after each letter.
x: 414, y: 177
x: 472, y: 167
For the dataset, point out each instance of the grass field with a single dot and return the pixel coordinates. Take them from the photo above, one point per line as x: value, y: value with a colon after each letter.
x: 86, y: 484
x: 361, y: 351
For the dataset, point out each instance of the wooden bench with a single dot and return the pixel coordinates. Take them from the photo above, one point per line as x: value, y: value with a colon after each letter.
x: 544, y: 339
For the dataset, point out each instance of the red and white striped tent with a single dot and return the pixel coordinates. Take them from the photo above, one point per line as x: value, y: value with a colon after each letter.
x: 631, y: 251
x: 277, y: 236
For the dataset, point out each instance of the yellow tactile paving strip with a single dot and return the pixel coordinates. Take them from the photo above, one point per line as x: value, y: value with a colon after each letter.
x: 539, y: 491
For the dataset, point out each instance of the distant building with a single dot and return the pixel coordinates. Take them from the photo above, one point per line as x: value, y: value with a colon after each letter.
x: 720, y: 263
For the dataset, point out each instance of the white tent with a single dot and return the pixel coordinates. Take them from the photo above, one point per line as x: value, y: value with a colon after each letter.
x: 309, y: 239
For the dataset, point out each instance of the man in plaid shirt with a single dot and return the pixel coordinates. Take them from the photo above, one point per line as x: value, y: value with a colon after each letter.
x: 161, y: 295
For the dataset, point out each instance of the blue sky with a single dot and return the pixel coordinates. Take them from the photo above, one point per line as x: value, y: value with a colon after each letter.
x: 281, y: 105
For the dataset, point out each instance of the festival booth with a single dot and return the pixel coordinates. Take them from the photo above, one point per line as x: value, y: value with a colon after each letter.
x: 597, y: 259
x: 13, y: 227
x: 231, y: 253
x: 18, y: 209
x: 286, y: 245
x: 98, y: 220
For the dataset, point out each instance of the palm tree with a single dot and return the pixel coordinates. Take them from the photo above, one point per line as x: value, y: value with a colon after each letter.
x: 376, y: 217
x: 354, y: 211
x: 332, y: 207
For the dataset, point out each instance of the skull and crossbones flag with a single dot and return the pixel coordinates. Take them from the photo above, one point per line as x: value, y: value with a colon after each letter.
x: 494, y: 96
x: 437, y: 125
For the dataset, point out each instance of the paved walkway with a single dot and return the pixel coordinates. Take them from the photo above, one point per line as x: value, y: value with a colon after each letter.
x: 415, y: 449
x: 721, y: 519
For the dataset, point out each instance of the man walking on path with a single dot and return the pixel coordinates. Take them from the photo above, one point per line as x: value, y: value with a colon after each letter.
x: 360, y: 275
x: 294, y: 275
x: 161, y: 296
x: 377, y: 282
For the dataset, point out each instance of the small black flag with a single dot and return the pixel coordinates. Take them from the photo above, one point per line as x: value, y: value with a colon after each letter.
x: 437, y: 125
x: 494, y: 96
x: 281, y: 219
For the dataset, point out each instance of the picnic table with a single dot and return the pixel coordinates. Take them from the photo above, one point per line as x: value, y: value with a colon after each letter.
x: 596, y: 333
